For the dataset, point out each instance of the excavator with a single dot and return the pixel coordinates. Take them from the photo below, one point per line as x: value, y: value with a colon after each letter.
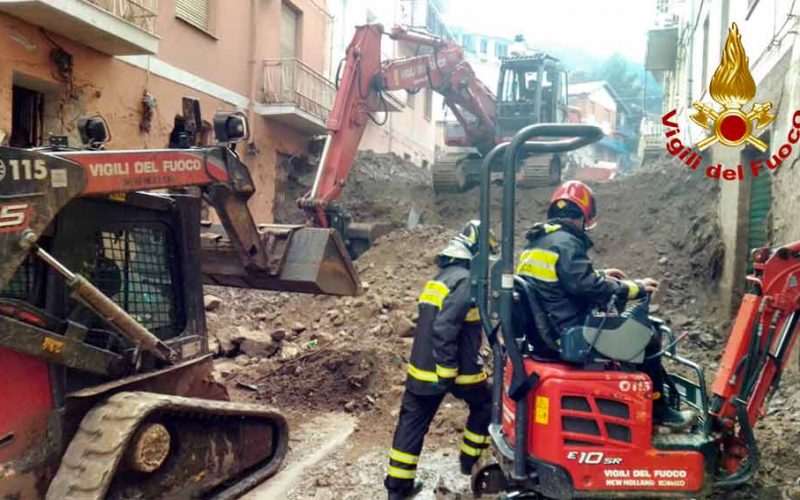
x: 573, y: 418
x: 107, y: 386
x: 531, y: 89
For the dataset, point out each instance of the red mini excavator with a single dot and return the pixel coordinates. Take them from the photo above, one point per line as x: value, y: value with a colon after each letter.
x: 532, y: 89
x: 578, y: 423
x: 105, y: 373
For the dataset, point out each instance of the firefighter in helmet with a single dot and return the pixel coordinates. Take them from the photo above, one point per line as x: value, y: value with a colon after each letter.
x: 444, y: 358
x: 556, y: 264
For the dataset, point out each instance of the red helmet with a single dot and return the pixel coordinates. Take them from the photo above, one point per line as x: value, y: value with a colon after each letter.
x: 581, y: 195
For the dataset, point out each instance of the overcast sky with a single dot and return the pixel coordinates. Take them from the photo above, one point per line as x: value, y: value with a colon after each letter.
x: 600, y: 27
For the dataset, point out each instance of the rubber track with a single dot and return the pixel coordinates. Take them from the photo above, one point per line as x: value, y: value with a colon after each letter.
x: 446, y: 175
x: 536, y: 171
x: 91, y: 459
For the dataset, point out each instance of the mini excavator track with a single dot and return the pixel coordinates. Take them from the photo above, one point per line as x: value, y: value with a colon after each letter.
x: 147, y: 445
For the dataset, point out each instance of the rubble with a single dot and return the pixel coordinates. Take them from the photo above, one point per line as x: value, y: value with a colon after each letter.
x: 211, y: 302
x: 350, y: 354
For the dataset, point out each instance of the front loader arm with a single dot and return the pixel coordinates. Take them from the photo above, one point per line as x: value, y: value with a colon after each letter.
x: 758, y: 349
x: 36, y: 185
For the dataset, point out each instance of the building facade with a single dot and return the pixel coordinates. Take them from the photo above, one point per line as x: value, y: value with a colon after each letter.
x: 756, y: 210
x: 132, y: 61
x: 408, y: 129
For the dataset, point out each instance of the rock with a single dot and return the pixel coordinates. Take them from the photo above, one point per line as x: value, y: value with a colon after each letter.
x: 211, y: 302
x: 213, y: 346
x: 404, y: 327
x: 289, y: 351
x: 708, y: 340
x: 254, y: 342
x: 242, y: 360
x: 224, y: 338
x: 365, y: 284
x: 298, y: 327
x: 663, y: 260
x: 338, y: 321
x: 278, y: 335
x: 350, y: 406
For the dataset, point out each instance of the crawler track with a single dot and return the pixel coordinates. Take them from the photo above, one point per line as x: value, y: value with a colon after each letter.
x: 218, y: 449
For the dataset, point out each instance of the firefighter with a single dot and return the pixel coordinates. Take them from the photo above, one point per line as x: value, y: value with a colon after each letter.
x: 444, y: 358
x: 556, y: 264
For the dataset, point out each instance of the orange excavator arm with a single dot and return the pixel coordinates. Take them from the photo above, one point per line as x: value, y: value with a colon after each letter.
x: 758, y: 350
x: 443, y: 68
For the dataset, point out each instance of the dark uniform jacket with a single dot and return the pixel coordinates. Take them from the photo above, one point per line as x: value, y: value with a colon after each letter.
x: 555, y: 263
x: 448, y: 336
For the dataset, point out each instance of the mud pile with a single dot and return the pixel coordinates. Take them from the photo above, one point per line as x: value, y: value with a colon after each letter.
x: 381, y: 188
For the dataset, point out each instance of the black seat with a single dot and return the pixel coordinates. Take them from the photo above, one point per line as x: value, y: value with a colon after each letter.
x: 532, y: 322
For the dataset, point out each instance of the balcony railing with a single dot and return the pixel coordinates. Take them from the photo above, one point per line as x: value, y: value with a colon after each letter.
x: 423, y: 14
x: 114, y: 27
x: 140, y: 13
x: 290, y: 82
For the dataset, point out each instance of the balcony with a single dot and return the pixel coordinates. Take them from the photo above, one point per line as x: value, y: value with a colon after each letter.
x: 296, y: 95
x: 115, y: 27
x: 424, y: 16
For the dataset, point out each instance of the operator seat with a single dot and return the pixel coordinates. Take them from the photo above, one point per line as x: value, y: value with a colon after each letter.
x: 602, y: 338
x: 534, y: 324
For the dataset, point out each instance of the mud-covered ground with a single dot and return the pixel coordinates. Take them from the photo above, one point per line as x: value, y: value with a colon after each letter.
x: 317, y: 357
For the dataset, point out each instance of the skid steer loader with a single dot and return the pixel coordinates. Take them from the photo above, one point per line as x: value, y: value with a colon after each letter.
x: 107, y: 390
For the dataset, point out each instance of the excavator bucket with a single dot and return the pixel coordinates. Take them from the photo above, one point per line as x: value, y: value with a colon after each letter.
x: 301, y: 259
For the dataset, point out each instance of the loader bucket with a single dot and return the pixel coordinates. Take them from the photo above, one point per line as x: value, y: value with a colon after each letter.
x: 301, y: 259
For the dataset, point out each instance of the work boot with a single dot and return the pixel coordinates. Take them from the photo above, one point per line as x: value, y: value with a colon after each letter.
x: 403, y: 494
x: 674, y: 419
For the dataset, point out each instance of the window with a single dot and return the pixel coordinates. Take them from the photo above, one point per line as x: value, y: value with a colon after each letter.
x: 27, y: 116
x: 428, y: 104
x: 500, y: 49
x: 469, y: 43
x: 289, y: 28
x: 484, y: 46
x: 194, y: 12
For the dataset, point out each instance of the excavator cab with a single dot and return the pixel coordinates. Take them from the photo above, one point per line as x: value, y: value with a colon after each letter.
x: 530, y: 90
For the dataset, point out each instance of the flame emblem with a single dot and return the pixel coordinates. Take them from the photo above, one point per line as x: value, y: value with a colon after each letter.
x: 732, y: 86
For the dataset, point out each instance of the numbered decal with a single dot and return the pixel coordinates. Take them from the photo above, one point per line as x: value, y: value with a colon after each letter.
x: 14, y: 217
x: 25, y: 170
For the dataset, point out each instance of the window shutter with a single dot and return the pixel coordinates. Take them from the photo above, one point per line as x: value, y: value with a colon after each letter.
x: 288, y: 32
x: 193, y: 11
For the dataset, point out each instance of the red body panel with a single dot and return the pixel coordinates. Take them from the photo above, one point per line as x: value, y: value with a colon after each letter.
x: 725, y: 385
x: 118, y: 171
x: 25, y: 401
x: 572, y: 414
